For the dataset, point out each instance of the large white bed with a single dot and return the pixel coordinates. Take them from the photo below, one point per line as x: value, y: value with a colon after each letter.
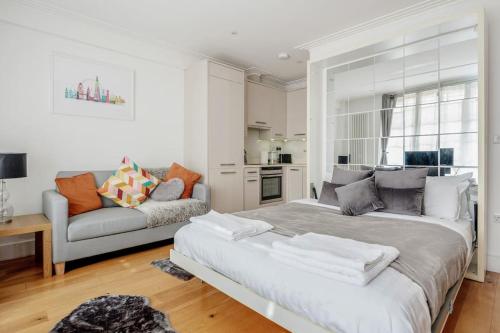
x: 389, y: 303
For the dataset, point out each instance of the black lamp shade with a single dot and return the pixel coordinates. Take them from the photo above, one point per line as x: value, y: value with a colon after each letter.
x: 13, y: 165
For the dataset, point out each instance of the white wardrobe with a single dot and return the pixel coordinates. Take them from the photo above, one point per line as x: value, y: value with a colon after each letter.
x: 214, y: 130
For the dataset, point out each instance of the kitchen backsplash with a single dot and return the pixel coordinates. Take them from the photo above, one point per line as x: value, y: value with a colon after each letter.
x: 254, y: 146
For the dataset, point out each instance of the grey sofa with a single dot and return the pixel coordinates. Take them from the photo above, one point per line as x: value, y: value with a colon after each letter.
x: 104, y: 230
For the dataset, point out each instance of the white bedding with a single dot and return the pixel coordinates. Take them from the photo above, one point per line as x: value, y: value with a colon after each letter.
x: 389, y: 303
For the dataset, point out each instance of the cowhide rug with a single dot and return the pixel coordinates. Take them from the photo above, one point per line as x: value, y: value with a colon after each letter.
x: 115, y: 314
x: 165, y: 265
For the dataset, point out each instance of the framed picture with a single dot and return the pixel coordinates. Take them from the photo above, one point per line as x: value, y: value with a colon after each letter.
x: 89, y: 88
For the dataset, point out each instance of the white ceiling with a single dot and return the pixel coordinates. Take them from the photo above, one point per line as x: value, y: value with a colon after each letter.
x: 264, y: 27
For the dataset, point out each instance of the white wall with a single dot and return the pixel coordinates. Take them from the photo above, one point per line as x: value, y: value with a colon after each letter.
x: 53, y: 142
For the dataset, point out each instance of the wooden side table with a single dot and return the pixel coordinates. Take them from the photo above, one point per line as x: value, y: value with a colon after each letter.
x: 42, y: 228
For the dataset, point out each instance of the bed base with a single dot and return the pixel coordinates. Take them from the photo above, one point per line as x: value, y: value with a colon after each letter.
x: 275, y: 312
x: 267, y: 308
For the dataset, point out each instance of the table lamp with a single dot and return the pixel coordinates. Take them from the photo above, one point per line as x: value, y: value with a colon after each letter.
x: 12, y: 165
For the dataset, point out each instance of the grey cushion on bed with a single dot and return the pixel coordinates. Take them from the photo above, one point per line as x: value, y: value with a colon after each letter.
x: 402, y: 192
x: 328, y: 195
x: 340, y: 178
x: 168, y: 191
x: 359, y: 197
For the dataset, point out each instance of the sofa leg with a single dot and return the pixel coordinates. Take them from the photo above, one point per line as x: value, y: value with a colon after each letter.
x: 59, y: 268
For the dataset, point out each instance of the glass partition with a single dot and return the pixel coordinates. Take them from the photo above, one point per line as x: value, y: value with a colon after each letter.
x: 408, y: 102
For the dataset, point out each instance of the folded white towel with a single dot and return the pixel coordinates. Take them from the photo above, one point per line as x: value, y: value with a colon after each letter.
x: 231, y: 227
x: 335, y: 251
x: 338, y: 273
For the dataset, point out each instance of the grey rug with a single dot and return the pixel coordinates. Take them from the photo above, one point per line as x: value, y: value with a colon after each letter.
x: 169, y: 267
x: 115, y: 314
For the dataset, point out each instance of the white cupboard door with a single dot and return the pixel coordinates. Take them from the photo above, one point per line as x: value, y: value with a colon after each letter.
x: 258, y: 99
x: 296, y: 113
x: 278, y: 114
x: 226, y: 128
x: 226, y: 189
x: 252, y: 193
x: 294, y: 180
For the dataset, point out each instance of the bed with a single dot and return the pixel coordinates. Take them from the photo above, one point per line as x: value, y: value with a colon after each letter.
x: 303, y: 302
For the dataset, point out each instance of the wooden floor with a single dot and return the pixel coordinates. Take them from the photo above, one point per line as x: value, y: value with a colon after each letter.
x: 29, y: 303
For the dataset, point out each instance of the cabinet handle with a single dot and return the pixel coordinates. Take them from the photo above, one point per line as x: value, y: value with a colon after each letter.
x: 227, y: 172
x: 299, y: 134
x: 294, y: 169
x: 227, y: 164
x: 278, y: 134
x: 251, y: 171
x: 251, y: 180
x: 261, y: 122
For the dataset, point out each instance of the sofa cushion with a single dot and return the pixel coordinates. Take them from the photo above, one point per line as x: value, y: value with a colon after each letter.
x: 169, y: 190
x: 189, y: 177
x: 130, y: 185
x: 81, y: 193
x: 100, y: 177
x: 104, y: 222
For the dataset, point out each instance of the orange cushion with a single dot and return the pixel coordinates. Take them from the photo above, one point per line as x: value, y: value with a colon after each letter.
x: 189, y: 177
x: 81, y: 193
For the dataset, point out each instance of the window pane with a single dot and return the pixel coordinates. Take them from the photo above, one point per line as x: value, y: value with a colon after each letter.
x: 465, y: 148
x: 459, y: 48
x: 359, y: 104
x: 394, y: 151
x: 421, y: 119
x: 391, y: 117
x: 341, y: 152
x: 457, y: 75
x: 361, y: 125
x: 336, y: 105
x: 421, y: 57
x: 337, y: 128
x: 421, y: 150
x: 360, y: 152
x: 459, y: 116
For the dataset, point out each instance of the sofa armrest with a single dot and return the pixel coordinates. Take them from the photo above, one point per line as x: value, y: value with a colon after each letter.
x: 55, y: 208
x: 202, y: 192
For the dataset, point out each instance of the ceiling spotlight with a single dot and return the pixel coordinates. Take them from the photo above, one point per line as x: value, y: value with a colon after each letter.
x: 283, y: 56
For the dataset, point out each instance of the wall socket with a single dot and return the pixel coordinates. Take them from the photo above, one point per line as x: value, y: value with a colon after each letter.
x: 496, y: 218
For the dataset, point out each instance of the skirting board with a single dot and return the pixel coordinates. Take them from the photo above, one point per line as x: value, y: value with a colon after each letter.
x: 278, y: 314
x: 493, y: 264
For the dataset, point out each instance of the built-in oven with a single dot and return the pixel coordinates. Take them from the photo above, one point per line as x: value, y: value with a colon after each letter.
x: 271, y: 184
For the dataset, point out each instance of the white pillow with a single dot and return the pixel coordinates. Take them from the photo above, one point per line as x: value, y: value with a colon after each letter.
x: 445, y: 197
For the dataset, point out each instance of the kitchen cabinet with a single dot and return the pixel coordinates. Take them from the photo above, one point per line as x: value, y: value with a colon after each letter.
x: 295, y: 183
x: 252, y: 193
x: 266, y: 108
x: 258, y: 102
x: 278, y: 114
x: 226, y: 189
x: 214, y: 130
x: 225, y: 123
x: 296, y: 113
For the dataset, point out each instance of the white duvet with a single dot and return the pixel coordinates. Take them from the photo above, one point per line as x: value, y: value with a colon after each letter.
x: 389, y: 303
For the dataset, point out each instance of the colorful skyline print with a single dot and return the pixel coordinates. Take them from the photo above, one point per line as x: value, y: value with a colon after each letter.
x: 90, y: 90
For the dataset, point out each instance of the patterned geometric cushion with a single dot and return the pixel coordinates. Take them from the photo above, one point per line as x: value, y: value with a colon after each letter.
x: 130, y: 185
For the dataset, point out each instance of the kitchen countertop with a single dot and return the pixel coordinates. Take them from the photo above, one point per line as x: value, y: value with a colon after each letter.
x: 282, y: 165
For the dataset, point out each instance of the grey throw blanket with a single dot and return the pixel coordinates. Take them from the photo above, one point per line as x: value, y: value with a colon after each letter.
x: 432, y: 256
x: 160, y: 213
